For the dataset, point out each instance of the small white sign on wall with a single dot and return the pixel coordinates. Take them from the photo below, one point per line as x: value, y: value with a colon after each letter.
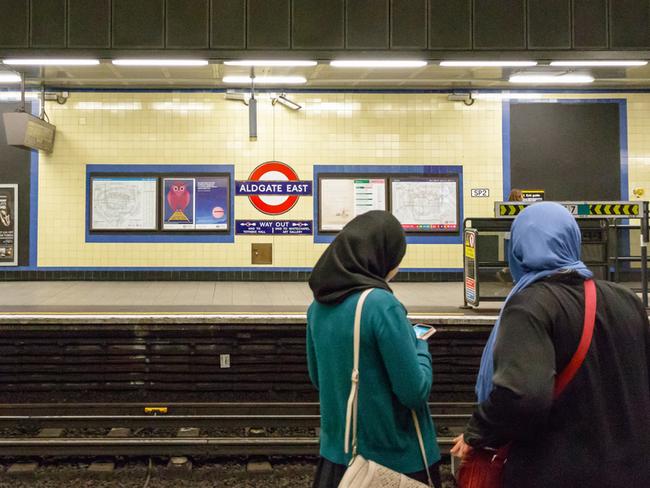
x: 480, y: 192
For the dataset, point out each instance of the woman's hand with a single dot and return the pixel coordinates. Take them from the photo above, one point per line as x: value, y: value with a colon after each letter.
x: 461, y: 448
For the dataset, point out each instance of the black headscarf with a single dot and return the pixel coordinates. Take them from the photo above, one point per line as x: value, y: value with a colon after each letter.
x: 360, y: 257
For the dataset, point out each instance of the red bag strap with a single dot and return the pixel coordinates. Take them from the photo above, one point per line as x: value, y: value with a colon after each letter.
x: 565, y: 377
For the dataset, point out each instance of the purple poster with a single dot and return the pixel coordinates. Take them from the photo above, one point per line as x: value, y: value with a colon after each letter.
x: 178, y: 203
x: 212, y: 202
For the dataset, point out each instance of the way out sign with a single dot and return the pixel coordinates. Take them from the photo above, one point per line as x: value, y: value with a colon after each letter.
x: 273, y: 188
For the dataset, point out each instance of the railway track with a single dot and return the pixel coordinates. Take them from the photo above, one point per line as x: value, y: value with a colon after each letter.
x: 223, y: 429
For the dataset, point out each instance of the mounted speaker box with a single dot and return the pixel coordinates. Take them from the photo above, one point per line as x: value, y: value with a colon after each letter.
x: 28, y: 132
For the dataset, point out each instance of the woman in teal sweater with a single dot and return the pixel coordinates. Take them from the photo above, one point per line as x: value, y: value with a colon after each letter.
x: 394, y: 366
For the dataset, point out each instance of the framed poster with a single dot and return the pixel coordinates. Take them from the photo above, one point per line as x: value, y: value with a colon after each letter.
x: 343, y: 198
x: 212, y: 197
x: 426, y: 204
x: 9, y: 225
x: 120, y: 203
x: 178, y: 201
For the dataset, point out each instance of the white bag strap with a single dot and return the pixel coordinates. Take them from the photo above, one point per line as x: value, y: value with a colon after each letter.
x: 352, y: 407
x: 421, y: 442
x: 351, y: 413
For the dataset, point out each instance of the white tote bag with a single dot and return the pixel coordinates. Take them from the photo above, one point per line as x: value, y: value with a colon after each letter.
x: 361, y: 472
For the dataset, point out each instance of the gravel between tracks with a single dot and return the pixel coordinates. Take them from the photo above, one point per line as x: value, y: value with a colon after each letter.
x: 206, y: 473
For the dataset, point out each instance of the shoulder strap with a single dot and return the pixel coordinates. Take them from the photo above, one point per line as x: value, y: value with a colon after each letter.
x: 565, y: 377
x: 351, y: 413
x: 352, y: 408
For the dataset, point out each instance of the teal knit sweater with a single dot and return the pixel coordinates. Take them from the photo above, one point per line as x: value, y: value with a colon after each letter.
x: 394, y: 377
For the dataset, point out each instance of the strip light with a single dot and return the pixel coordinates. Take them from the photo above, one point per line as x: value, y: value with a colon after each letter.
x: 266, y: 80
x: 598, y: 63
x: 486, y: 64
x: 551, y: 79
x: 51, y: 62
x: 160, y: 62
x: 376, y: 63
x: 270, y: 62
x: 9, y: 78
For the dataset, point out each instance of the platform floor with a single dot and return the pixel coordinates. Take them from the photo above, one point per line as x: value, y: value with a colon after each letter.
x: 203, y: 296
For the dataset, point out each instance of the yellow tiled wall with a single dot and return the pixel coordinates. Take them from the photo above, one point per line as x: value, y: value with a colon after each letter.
x: 333, y: 128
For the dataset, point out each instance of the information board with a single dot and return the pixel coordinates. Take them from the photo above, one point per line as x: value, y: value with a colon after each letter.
x: 212, y: 198
x: 9, y: 225
x: 470, y: 267
x: 342, y: 199
x: 425, y: 204
x: 124, y: 203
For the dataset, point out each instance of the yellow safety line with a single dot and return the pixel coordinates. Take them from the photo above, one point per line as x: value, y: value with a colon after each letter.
x: 416, y: 314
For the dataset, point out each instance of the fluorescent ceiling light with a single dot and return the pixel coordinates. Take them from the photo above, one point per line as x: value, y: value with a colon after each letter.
x: 9, y: 78
x: 160, y: 62
x: 486, y: 64
x: 598, y: 63
x: 269, y: 62
x: 52, y: 62
x: 376, y: 63
x: 266, y: 80
x: 550, y: 79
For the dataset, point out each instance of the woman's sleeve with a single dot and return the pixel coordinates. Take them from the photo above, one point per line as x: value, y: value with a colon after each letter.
x: 524, y: 373
x: 406, y: 358
x: 312, y: 366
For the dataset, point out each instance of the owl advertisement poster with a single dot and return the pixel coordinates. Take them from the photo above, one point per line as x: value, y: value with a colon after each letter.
x: 178, y: 203
x: 212, y: 203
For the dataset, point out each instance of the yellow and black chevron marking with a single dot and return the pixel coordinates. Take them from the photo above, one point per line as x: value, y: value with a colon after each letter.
x: 614, y: 209
x: 507, y: 209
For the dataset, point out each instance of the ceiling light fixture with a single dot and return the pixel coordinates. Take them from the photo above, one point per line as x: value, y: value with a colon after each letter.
x: 266, y: 80
x: 376, y: 63
x: 9, y: 78
x: 487, y: 64
x: 535, y: 78
x: 51, y: 62
x: 283, y: 100
x: 598, y: 63
x: 270, y: 62
x: 160, y: 62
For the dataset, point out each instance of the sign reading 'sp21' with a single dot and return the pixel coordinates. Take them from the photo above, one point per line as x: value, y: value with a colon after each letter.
x: 273, y: 188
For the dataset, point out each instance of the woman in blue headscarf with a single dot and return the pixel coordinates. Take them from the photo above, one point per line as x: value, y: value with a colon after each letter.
x: 597, y: 432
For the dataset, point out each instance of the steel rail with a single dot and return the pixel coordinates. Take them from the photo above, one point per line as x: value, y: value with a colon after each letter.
x: 223, y: 446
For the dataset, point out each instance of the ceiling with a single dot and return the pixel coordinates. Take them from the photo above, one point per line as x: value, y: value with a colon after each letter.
x: 322, y: 76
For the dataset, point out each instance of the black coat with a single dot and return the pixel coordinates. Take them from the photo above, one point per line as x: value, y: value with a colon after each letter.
x: 597, y: 433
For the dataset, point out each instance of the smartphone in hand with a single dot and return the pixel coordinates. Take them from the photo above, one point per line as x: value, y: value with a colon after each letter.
x: 424, y: 331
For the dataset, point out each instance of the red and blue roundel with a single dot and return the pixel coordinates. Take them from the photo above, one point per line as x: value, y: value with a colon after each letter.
x: 273, y: 188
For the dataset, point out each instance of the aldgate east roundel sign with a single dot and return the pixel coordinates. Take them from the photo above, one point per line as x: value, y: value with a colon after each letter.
x: 273, y: 188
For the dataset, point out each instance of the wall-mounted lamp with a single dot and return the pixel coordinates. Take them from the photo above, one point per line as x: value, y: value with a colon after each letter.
x: 235, y: 95
x: 465, y: 97
x: 283, y: 100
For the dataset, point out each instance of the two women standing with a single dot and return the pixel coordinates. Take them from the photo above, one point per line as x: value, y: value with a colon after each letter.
x: 595, y: 434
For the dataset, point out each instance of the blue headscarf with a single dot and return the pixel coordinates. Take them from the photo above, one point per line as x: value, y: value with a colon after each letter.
x: 545, y: 240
